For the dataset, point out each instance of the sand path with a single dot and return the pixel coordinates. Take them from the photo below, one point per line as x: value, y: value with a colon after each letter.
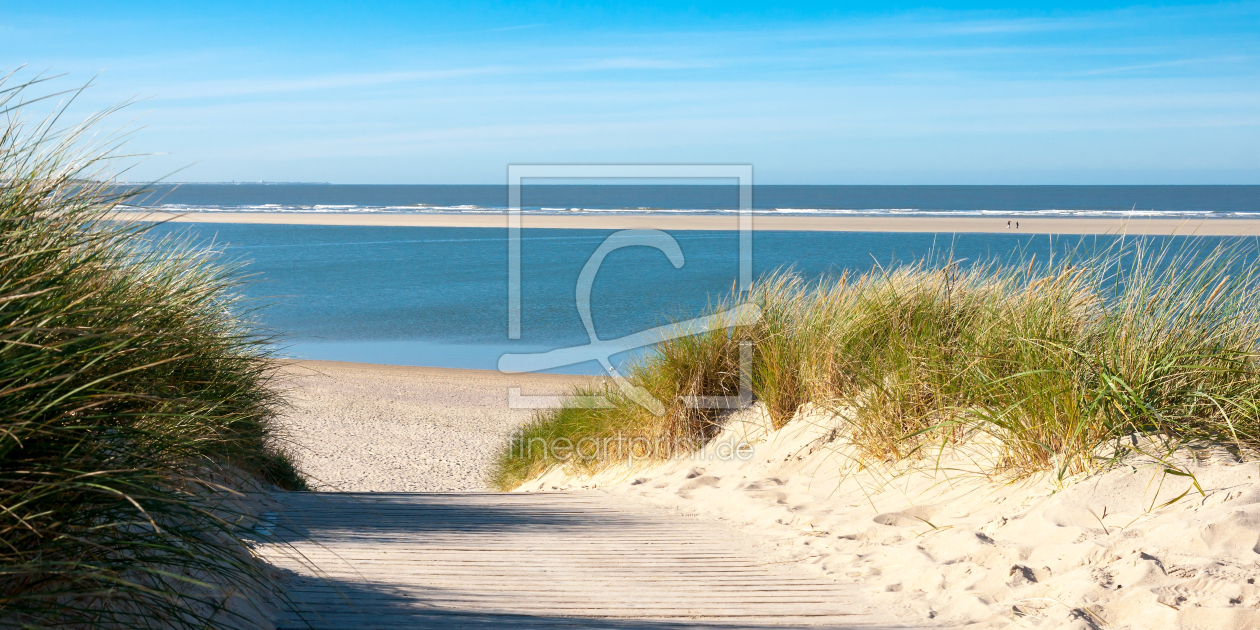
x: 395, y: 539
x: 550, y: 560
x: 360, y: 427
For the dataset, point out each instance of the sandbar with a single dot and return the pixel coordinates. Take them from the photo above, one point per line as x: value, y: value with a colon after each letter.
x: 1036, y: 225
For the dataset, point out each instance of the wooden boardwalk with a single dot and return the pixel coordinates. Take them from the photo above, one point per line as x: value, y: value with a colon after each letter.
x: 556, y: 560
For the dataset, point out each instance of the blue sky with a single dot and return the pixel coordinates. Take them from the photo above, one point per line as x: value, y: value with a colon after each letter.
x: 379, y: 92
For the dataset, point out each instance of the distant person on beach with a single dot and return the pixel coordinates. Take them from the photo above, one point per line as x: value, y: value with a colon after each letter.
x: 1008, y: 225
x: 1017, y: 225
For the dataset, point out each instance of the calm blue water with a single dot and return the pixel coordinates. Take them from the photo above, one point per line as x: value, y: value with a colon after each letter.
x: 1014, y: 201
x: 438, y: 296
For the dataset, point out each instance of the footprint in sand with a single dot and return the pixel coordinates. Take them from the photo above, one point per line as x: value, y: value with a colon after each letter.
x: 917, y: 515
x: 698, y: 482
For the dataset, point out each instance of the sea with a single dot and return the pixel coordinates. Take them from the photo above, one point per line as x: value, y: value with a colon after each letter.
x: 432, y: 296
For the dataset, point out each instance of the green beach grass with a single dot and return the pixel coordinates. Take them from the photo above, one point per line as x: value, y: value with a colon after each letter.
x: 1053, y: 359
x: 136, y: 406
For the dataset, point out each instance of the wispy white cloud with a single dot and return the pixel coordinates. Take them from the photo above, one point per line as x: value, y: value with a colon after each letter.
x: 225, y: 89
x: 1166, y: 64
x: 248, y: 87
x: 633, y: 63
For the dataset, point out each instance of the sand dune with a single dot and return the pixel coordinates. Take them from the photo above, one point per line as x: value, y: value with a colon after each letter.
x: 943, y: 541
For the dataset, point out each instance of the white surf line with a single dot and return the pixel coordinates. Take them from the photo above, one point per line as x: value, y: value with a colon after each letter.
x: 762, y: 223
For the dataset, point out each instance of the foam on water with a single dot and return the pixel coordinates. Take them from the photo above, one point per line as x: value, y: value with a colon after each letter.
x: 1172, y: 202
x: 839, y: 212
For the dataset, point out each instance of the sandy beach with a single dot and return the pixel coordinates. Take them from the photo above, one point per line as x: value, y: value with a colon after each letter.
x: 1212, y: 227
x: 383, y: 428
x: 943, y: 543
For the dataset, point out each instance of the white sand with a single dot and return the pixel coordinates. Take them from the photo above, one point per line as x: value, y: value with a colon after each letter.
x: 935, y: 544
x: 381, y: 428
x: 1212, y: 227
x: 948, y: 544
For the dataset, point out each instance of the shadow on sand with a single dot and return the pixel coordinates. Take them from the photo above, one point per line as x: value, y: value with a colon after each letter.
x: 349, y: 520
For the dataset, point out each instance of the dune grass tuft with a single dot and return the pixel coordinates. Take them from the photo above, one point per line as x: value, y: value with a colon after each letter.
x: 1053, y: 359
x: 134, y: 404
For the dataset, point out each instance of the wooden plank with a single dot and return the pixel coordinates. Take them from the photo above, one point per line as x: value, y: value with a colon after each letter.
x: 548, y: 560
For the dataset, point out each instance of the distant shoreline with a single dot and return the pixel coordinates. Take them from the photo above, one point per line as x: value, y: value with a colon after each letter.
x: 1034, y: 225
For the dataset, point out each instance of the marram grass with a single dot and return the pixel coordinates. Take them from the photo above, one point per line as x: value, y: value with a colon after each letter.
x: 1053, y: 359
x: 134, y: 403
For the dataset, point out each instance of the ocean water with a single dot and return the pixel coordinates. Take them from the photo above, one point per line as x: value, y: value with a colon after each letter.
x: 438, y: 296
x: 1007, y: 201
